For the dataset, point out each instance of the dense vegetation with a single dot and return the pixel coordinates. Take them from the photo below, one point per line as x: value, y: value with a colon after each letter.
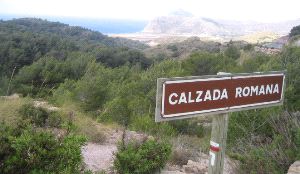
x: 57, y: 52
x: 180, y: 50
x: 30, y: 148
x: 295, y: 31
x: 118, y: 84
x: 146, y: 158
x: 24, y: 41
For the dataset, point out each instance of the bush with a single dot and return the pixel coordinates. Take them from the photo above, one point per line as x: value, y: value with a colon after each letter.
x: 232, y: 52
x: 258, y: 162
x: 4, y: 84
x: 5, y: 148
x: 146, y: 124
x: 146, y: 158
x: 97, y: 137
x: 54, y: 120
x: 64, y: 93
x: 40, y: 116
x: 295, y: 31
x: 180, y: 157
x: 297, y: 142
x: 249, y: 124
x: 265, y: 141
x: 36, y: 115
x: 34, y: 151
x: 117, y: 110
x: 188, y: 127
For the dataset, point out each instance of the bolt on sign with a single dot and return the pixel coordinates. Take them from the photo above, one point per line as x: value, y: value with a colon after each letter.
x: 186, y: 97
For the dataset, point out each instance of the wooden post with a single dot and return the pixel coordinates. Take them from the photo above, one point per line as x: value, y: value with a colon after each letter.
x: 218, y: 143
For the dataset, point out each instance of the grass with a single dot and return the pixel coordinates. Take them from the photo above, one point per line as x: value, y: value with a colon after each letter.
x: 187, y: 147
x: 88, y: 126
x: 84, y: 123
x: 9, y: 109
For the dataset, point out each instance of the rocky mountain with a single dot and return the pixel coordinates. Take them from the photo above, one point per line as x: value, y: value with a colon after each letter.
x: 175, y: 24
x: 182, y: 24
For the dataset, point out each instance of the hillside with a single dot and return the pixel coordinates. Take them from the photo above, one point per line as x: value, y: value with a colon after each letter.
x: 182, y: 49
x: 182, y: 25
x: 26, y: 40
x: 259, y: 37
x: 74, y: 33
x: 70, y: 102
x: 199, y: 26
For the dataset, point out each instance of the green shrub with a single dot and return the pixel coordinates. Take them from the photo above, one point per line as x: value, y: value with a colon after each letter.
x: 232, y: 52
x: 97, y: 137
x: 36, y: 115
x: 146, y: 124
x: 164, y: 129
x: 5, y: 148
x: 180, y: 156
x: 4, y: 84
x: 172, y: 47
x: 64, y: 93
x: 54, y: 120
x: 264, y: 141
x: 34, y: 151
x: 146, y: 158
x: 258, y: 162
x: 188, y: 127
x: 40, y: 116
x: 246, y: 124
x: 117, y: 110
x: 295, y: 31
x: 297, y: 142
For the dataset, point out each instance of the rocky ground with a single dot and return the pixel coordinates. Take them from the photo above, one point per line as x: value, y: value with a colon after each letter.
x: 200, y: 167
x: 294, y: 168
x: 99, y: 157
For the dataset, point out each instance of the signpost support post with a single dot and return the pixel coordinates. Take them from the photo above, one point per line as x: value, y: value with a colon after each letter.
x: 218, y: 143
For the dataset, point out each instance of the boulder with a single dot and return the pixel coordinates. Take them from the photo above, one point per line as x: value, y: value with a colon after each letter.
x: 294, y: 168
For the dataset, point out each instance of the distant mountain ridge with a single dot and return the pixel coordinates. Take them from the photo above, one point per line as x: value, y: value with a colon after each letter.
x: 103, y: 25
x: 75, y: 33
x: 27, y: 40
x: 187, y: 24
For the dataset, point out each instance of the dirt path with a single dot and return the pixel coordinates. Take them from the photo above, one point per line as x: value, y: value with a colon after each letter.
x: 98, y: 157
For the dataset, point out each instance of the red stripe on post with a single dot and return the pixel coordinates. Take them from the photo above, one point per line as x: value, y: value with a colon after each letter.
x: 214, y: 148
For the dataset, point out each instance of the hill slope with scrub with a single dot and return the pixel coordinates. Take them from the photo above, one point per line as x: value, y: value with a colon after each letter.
x: 115, y: 88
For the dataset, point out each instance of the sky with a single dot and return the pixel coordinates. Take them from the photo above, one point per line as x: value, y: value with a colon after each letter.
x: 242, y: 10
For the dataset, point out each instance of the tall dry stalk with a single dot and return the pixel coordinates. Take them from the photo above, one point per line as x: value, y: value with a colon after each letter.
x: 12, y: 75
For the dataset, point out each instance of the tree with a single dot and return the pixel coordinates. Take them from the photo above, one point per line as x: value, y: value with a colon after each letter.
x: 232, y: 52
x: 295, y: 31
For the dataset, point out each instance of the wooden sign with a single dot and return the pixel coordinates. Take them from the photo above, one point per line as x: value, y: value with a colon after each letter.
x: 187, y: 97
